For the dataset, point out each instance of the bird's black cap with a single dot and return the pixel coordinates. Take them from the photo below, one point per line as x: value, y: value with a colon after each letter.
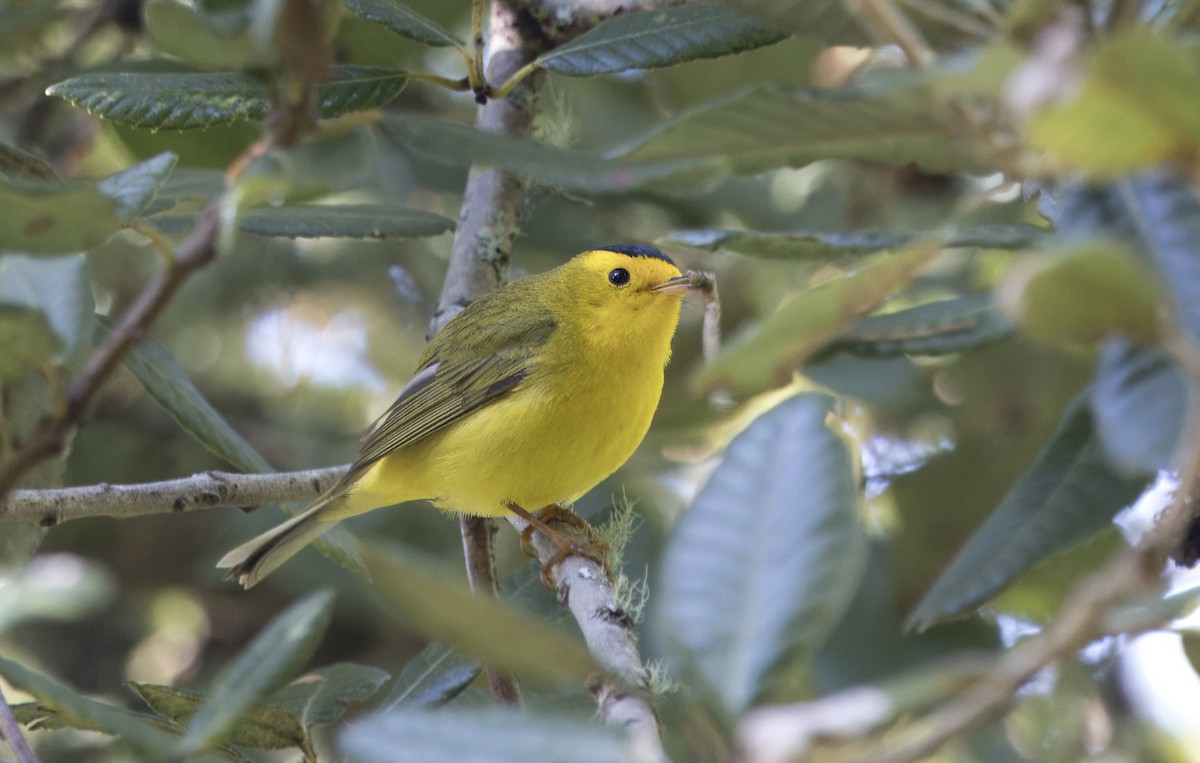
x: 638, y: 250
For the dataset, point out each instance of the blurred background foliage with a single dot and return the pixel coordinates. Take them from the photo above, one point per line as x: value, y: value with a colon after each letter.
x: 970, y: 265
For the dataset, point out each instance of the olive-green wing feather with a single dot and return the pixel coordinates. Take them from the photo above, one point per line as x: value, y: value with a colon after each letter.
x: 480, y: 356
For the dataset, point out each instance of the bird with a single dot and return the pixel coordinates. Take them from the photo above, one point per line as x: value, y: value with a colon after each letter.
x: 522, y: 403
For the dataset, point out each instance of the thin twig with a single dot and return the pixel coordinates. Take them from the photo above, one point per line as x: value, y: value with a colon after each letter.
x: 10, y: 730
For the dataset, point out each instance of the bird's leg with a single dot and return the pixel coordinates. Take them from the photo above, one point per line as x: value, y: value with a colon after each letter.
x: 567, y: 546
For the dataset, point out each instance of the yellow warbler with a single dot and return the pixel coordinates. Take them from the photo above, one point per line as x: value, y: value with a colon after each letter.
x: 526, y: 400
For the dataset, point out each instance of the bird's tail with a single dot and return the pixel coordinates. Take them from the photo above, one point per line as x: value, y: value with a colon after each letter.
x: 255, y: 559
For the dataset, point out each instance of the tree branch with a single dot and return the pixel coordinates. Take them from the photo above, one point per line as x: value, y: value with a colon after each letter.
x: 207, y: 490
x: 10, y: 731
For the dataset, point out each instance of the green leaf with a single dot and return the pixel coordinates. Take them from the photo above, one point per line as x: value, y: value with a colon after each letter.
x: 262, y: 728
x: 190, y: 100
x: 269, y: 661
x: 322, y: 696
x: 827, y: 20
x: 17, y: 163
x: 26, y: 341
x: 343, y: 221
x: 1140, y: 401
x: 936, y: 328
x: 815, y: 245
x: 804, y: 325
x: 1069, y: 494
x: 51, y: 216
x: 404, y: 21
x: 161, y: 376
x: 657, y: 38
x: 58, y: 288
x: 135, y: 189
x: 765, y: 561
x: 1136, y: 108
x: 495, y: 735
x: 57, y: 587
x: 435, y: 676
x: 431, y: 600
x: 575, y: 169
x: 761, y: 129
x: 183, y: 32
x: 1084, y: 293
x: 130, y: 727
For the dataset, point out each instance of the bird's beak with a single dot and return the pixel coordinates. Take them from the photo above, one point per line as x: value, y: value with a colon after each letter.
x: 679, y: 285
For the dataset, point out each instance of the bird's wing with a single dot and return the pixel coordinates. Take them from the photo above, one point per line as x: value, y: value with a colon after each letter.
x: 475, y: 360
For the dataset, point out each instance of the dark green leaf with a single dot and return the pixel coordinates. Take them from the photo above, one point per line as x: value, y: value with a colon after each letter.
x: 764, y: 128
x: 322, y: 696
x: 343, y: 221
x: 51, y: 216
x: 428, y: 599
x: 162, y: 378
x: 494, y: 735
x: 575, y: 169
x: 17, y: 163
x: 262, y: 728
x: 937, y: 328
x: 134, y: 729
x: 135, y: 188
x: 1140, y: 401
x: 269, y: 661
x: 764, y: 563
x: 190, y: 100
x: 802, y: 326
x: 806, y: 245
x: 828, y: 20
x: 656, y: 38
x: 1069, y: 494
x: 403, y: 20
x: 435, y: 676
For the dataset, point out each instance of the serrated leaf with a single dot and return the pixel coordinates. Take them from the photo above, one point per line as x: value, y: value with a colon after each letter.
x: 496, y: 735
x: 261, y: 728
x: 937, y: 328
x: 130, y: 727
x: 191, y: 100
x: 827, y: 20
x: 1069, y: 494
x: 435, y: 676
x: 404, y: 21
x: 15, y: 162
x: 51, y: 216
x: 161, y: 376
x: 58, y: 288
x: 58, y: 587
x: 343, y: 221
x: 430, y: 600
x: 135, y: 188
x: 764, y: 128
x: 657, y: 38
x: 765, y: 561
x: 1083, y: 293
x: 1136, y: 107
x: 576, y: 169
x: 805, y: 324
x: 322, y: 696
x: 818, y: 245
x: 1140, y: 401
x: 268, y: 662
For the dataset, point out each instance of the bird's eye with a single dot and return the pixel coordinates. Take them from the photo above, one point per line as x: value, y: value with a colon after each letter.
x: 618, y: 276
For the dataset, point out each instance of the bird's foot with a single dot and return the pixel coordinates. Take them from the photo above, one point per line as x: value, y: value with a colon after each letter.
x: 591, y: 550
